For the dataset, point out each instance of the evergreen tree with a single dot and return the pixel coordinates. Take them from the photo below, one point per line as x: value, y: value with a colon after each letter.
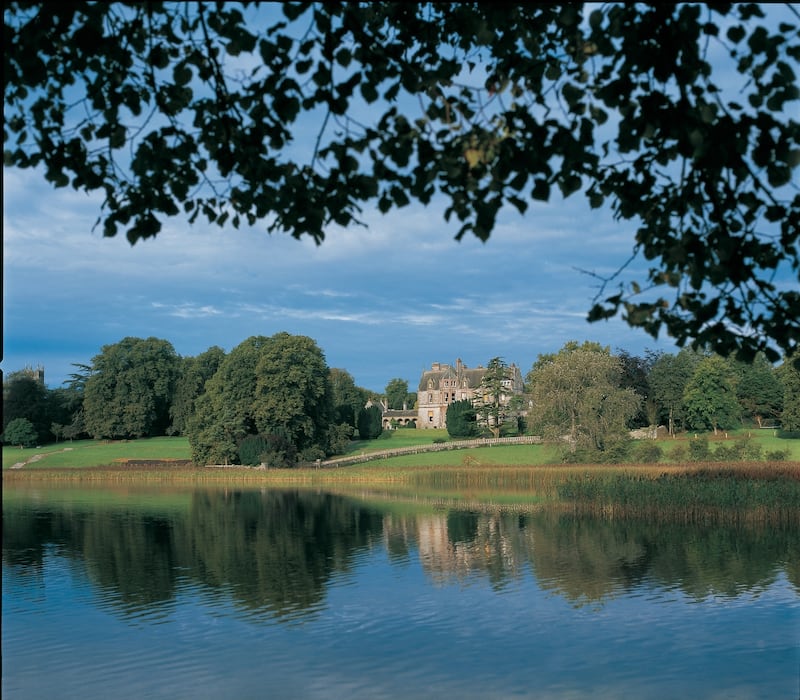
x: 461, y: 419
x: 494, y: 392
x: 790, y: 416
x: 370, y: 423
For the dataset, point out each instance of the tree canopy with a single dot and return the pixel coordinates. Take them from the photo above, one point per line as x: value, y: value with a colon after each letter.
x: 20, y: 432
x: 577, y: 392
x: 129, y: 391
x: 680, y: 119
x: 277, y: 387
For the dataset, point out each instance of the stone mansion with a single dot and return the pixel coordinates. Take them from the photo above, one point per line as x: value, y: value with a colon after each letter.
x: 440, y: 386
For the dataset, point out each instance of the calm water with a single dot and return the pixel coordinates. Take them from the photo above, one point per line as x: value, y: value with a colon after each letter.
x: 276, y: 594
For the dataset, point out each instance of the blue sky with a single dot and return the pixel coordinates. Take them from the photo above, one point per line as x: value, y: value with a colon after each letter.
x: 382, y: 302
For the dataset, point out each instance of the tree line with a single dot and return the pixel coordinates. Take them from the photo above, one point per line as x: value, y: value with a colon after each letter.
x: 592, y: 398
x: 271, y: 399
x: 274, y: 400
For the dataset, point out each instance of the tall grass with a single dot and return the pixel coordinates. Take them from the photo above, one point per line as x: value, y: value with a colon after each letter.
x: 754, y: 492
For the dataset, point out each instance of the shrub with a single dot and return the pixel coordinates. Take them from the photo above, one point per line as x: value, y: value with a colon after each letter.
x: 311, y: 454
x: 461, y: 419
x: 725, y: 453
x: 778, y: 455
x: 272, y: 450
x: 280, y: 453
x: 699, y: 450
x: 339, y: 437
x: 679, y: 453
x: 20, y: 432
x: 616, y: 451
x: 647, y: 452
x: 251, y: 448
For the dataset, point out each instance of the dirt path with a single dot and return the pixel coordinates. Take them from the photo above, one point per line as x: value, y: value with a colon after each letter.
x: 37, y: 457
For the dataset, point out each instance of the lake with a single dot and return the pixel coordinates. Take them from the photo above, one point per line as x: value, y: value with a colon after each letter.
x: 171, y: 593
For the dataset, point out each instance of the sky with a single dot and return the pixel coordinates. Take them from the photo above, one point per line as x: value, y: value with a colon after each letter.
x: 382, y: 302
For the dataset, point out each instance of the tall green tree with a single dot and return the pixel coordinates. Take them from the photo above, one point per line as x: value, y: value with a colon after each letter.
x: 710, y: 396
x: 347, y: 398
x: 492, y: 397
x: 191, y: 382
x: 397, y: 394
x: 224, y: 412
x: 264, y: 386
x: 370, y: 422
x: 790, y: 415
x: 480, y: 105
x: 668, y: 378
x: 26, y: 397
x: 129, y: 391
x: 293, y: 394
x: 636, y: 375
x: 759, y: 389
x: 577, y: 393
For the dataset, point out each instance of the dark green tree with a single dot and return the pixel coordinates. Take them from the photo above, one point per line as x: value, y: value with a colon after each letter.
x: 710, y: 396
x: 192, y: 377
x: 790, y: 415
x: 276, y: 386
x: 759, y: 390
x: 668, y: 378
x: 370, y: 422
x: 20, y: 432
x: 481, y: 105
x: 129, y: 391
x: 635, y: 375
x: 397, y: 394
x: 492, y: 397
x: 461, y: 420
x: 293, y: 396
x: 224, y: 412
x: 26, y: 397
x: 347, y: 398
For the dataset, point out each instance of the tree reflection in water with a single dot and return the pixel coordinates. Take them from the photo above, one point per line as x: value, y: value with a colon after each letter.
x: 275, y: 552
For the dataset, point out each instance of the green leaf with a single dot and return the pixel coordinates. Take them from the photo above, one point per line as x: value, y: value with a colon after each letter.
x: 736, y: 33
x: 541, y: 190
x: 182, y: 73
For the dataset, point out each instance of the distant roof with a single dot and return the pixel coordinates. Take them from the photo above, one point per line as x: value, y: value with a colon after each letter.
x: 460, y: 372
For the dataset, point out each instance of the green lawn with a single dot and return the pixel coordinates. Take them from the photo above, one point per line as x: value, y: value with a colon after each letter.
x: 94, y: 453
x: 390, y: 439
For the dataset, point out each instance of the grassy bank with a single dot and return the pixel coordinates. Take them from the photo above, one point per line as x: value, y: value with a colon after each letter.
x: 93, y: 453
